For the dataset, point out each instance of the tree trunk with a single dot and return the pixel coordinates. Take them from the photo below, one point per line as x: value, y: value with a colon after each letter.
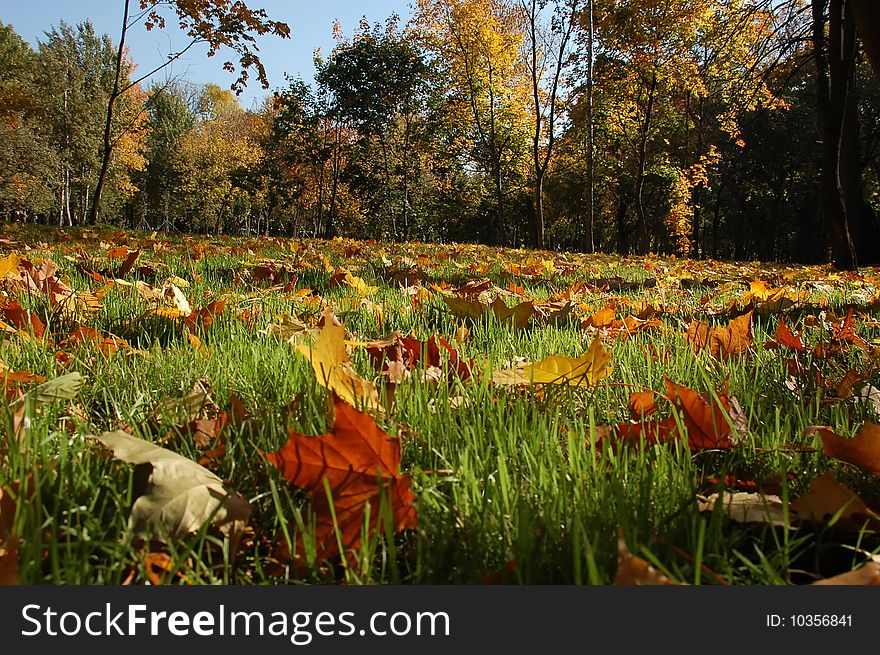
x: 834, y: 72
x: 108, y: 124
x: 502, y: 237
x: 588, y: 243
x: 331, y: 214
x: 716, y: 221
x: 644, y: 236
x: 539, y: 210
x: 867, y: 18
x: 622, y: 244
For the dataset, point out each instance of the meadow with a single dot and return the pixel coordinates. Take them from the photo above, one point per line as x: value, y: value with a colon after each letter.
x: 488, y: 415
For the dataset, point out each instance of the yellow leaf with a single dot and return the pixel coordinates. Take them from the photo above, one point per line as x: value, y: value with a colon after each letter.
x: 333, y: 368
x: 197, y: 344
x: 169, y: 312
x: 517, y: 316
x: 464, y: 308
x: 602, y: 318
x: 358, y: 284
x: 8, y: 264
x: 585, y: 370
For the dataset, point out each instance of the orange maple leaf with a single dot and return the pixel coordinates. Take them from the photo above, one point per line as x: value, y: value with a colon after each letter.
x: 735, y: 339
x: 863, y: 450
x: 704, y: 419
x: 785, y: 337
x: 359, y: 463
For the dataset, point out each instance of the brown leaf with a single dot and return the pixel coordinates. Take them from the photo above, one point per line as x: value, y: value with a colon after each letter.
x: 602, y: 318
x: 107, y: 344
x: 863, y: 450
x: 744, y: 507
x: 785, y: 337
x: 465, y: 308
x: 360, y: 463
x: 632, y: 570
x: 23, y: 320
x: 641, y: 404
x: 179, y: 496
x: 735, y: 339
x: 8, y: 540
x: 128, y: 264
x: 826, y: 497
x: 517, y: 316
x: 698, y: 335
x: 704, y: 418
x: 868, y: 575
x: 206, y: 315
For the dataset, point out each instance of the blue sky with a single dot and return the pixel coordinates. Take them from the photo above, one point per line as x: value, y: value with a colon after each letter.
x: 310, y: 22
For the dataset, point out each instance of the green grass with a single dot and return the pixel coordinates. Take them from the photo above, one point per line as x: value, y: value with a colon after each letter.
x: 509, y: 488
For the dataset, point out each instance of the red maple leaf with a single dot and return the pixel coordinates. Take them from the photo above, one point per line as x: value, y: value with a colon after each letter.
x: 360, y: 464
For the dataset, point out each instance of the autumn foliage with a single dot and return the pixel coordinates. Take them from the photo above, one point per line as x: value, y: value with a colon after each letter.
x: 452, y: 381
x: 350, y: 473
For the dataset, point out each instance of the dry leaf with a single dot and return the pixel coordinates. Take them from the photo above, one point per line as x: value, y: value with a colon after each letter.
x: 735, y: 339
x: 179, y: 497
x: 863, y: 450
x: 585, y: 370
x: 868, y: 575
x: 517, y: 316
x: 360, y: 464
x: 826, y: 497
x: 749, y: 508
x: 333, y: 368
x: 632, y: 570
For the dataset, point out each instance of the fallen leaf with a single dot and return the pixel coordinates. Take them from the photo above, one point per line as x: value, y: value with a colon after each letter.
x: 868, y: 575
x: 704, y: 418
x: 785, y: 337
x: 735, y: 339
x: 290, y: 329
x: 826, y: 497
x: 360, y: 464
x: 743, y: 507
x: 128, y: 264
x: 641, y: 404
x: 333, y: 368
x: 517, y: 316
x: 602, y: 318
x: 863, y: 450
x: 8, y: 264
x: 8, y: 540
x: 632, y: 570
x: 585, y: 370
x: 465, y: 308
x: 64, y: 387
x: 358, y: 284
x: 21, y: 319
x: 179, y: 497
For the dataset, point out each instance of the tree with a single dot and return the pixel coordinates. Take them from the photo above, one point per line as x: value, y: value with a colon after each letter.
x: 170, y: 119
x: 477, y: 45
x: 850, y: 222
x: 549, y: 53
x: 379, y: 82
x: 27, y: 159
x: 218, y: 23
x: 213, y: 159
x: 74, y: 75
